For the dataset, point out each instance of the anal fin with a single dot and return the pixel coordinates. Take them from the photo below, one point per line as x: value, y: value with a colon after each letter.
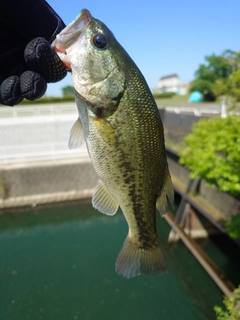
x: 103, y: 200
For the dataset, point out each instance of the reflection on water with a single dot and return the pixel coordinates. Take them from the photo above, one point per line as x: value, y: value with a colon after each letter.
x: 58, y: 263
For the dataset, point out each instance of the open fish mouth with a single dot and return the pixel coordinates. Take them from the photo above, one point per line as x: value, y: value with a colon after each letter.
x: 71, y: 33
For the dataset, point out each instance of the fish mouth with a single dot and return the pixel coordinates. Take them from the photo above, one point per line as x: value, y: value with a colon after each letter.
x: 72, y: 32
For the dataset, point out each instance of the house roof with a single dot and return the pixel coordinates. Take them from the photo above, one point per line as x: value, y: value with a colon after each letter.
x: 169, y: 76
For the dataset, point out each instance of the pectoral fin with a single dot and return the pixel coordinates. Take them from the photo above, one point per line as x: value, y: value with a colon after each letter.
x: 103, y: 200
x: 76, y: 138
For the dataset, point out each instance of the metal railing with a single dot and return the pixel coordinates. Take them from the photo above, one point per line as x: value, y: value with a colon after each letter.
x: 36, y: 133
x: 37, y: 110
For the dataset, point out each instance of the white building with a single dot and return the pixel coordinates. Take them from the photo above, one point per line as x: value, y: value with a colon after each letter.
x: 171, y: 83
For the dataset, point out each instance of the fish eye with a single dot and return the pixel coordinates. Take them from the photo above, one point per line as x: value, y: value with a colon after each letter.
x: 100, y: 40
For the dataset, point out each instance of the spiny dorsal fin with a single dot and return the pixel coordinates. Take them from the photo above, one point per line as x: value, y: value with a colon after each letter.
x: 76, y: 138
x: 103, y: 200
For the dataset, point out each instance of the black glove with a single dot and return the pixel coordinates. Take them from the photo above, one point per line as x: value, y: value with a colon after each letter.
x: 27, y: 62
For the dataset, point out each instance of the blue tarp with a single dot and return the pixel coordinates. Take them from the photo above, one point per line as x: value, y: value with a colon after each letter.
x: 195, y: 96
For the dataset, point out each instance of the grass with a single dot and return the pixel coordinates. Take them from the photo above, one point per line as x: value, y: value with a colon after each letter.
x: 162, y: 102
x: 175, y: 100
x: 178, y: 101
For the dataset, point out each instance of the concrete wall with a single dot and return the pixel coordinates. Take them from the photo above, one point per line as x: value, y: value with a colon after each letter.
x: 177, y: 126
x: 46, y: 182
x: 72, y: 179
x: 223, y: 202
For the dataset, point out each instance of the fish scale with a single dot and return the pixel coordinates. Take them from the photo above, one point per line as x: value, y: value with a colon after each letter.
x: 138, y: 157
x: 124, y: 135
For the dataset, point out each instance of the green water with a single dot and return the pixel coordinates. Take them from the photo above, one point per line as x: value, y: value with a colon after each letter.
x: 58, y: 263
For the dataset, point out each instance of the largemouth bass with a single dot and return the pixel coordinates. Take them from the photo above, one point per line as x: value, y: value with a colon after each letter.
x: 121, y: 125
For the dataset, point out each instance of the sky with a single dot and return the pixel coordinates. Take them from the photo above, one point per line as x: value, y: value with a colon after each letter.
x: 162, y: 36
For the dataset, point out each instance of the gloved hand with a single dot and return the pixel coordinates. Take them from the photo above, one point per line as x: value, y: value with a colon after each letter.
x: 27, y: 62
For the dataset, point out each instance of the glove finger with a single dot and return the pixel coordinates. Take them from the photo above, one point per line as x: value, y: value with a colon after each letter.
x: 32, y: 85
x: 41, y: 58
x: 10, y: 91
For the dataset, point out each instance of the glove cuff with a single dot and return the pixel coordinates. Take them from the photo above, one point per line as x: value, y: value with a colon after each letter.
x: 32, y: 18
x: 60, y: 24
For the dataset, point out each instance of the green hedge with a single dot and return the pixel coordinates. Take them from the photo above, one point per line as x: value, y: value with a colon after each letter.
x: 213, y: 153
x: 232, y: 306
x: 48, y: 100
x: 233, y: 227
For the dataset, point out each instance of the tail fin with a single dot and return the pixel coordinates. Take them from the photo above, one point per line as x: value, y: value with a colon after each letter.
x: 133, y: 261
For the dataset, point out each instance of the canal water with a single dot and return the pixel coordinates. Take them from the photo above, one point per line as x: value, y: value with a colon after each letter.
x: 58, y: 263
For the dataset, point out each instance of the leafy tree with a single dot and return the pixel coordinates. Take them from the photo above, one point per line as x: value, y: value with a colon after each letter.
x: 228, y: 91
x: 232, y: 306
x: 216, y: 68
x: 205, y: 87
x: 68, y: 91
x: 229, y: 87
x: 213, y: 153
